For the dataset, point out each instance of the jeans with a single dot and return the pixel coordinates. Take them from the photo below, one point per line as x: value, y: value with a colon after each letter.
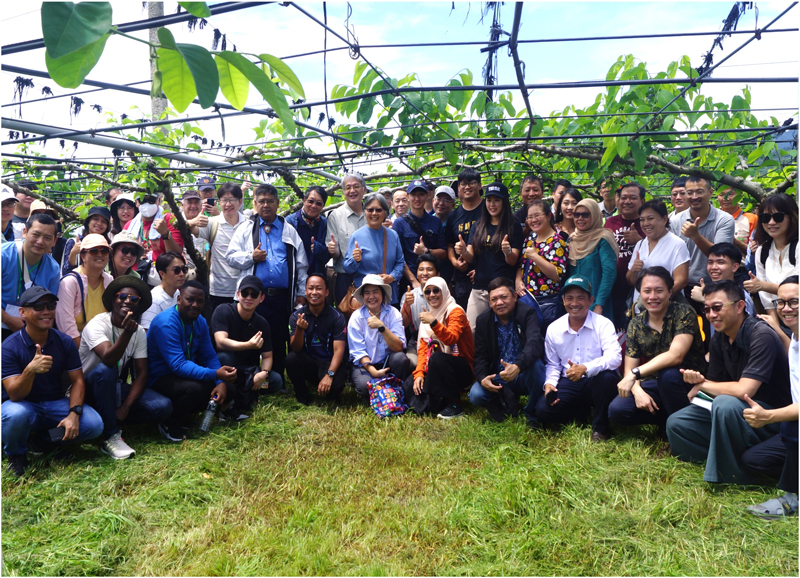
x: 20, y: 419
x: 668, y: 392
x: 102, y: 395
x: 576, y: 398
x: 528, y: 382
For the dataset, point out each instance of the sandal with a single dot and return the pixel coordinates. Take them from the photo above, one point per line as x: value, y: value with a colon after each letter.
x: 774, y: 509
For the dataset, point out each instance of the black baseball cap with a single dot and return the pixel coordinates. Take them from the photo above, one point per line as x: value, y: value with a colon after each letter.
x: 496, y: 189
x: 34, y: 294
x: 251, y: 282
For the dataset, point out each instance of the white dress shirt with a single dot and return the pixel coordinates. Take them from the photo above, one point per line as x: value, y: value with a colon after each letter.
x: 594, y: 345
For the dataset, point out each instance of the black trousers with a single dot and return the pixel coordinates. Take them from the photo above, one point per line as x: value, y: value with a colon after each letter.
x: 343, y: 281
x: 188, y: 396
x: 774, y: 458
x: 275, y: 309
x: 446, y: 378
x: 301, y: 369
x: 576, y: 398
x: 243, y: 397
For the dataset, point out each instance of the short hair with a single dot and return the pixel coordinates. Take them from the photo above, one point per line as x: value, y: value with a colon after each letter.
x: 696, y: 179
x: 732, y: 289
x: 728, y: 250
x: 231, y: 188
x: 630, y: 184
x: 657, y: 271
x: 561, y: 182
x: 679, y: 182
x: 107, y: 193
x: 165, y: 258
x: 790, y: 280
x: 27, y: 183
x: 499, y: 282
x: 432, y: 259
x: 655, y: 205
x: 545, y: 207
x: 265, y: 189
x: 469, y: 174
x: 192, y: 284
x: 531, y: 178
x: 320, y: 276
x: 319, y: 190
x: 357, y: 176
x: 369, y: 198
x: 42, y: 218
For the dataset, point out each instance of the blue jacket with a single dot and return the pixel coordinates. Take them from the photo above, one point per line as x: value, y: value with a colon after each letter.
x: 46, y: 275
x: 167, y: 342
x: 371, y: 244
x: 320, y: 256
x: 600, y: 268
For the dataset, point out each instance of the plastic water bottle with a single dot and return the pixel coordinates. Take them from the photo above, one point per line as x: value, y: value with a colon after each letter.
x: 209, y: 415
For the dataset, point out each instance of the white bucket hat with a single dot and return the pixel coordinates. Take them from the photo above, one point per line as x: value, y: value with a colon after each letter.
x: 378, y: 282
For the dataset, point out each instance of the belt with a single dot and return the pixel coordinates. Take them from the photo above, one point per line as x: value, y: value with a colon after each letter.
x: 276, y: 292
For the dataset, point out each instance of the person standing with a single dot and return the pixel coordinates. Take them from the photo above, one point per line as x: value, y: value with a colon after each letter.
x: 744, y: 223
x: 312, y: 228
x: 677, y: 194
x: 207, y: 187
x: 399, y: 204
x: 150, y: 227
x: 608, y: 202
x: 12, y: 231
x: 22, y: 210
x: 460, y: 224
x: 342, y: 223
x: 530, y: 190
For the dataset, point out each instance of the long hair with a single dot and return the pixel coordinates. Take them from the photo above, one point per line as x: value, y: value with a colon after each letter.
x: 481, y: 227
x: 781, y: 203
x: 107, y: 233
x: 575, y: 194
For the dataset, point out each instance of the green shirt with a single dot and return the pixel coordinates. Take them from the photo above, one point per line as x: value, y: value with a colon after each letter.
x: 643, y: 342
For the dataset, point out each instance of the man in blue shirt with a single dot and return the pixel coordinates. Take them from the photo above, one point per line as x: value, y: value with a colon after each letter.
x: 34, y: 360
x: 183, y: 364
x: 419, y: 233
x: 313, y: 228
x: 25, y: 264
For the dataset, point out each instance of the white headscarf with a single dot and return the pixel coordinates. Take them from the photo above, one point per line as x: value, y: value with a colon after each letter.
x: 441, y: 312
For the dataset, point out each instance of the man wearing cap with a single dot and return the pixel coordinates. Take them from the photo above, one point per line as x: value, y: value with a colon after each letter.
x: 444, y: 201
x: 244, y: 341
x: 583, y: 355
x: 27, y: 263
x: 419, y: 233
x: 208, y: 191
x: 12, y: 231
x: 312, y: 228
x: 459, y: 223
x: 171, y: 268
x: 182, y: 363
x: 192, y: 208
x: 114, y: 348
x: 22, y: 210
x: 34, y: 401
x: 343, y: 221
x: 530, y: 190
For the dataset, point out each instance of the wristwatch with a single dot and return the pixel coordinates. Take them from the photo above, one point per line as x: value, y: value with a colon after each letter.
x: 331, y: 374
x: 78, y: 409
x: 636, y: 373
x: 381, y: 329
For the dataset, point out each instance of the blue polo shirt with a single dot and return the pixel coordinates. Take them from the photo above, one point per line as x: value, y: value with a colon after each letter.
x: 18, y: 352
x: 45, y: 273
x: 273, y: 272
x: 432, y: 234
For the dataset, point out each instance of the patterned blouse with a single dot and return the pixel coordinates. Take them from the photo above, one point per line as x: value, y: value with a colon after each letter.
x: 554, y: 249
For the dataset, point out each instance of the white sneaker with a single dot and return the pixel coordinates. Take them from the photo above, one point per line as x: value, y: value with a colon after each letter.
x: 116, y: 447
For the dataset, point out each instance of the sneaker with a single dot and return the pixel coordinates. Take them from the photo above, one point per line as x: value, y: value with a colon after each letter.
x: 172, y: 432
x: 234, y: 415
x: 780, y: 507
x: 116, y: 447
x: 496, y: 411
x: 18, y: 464
x: 451, y: 411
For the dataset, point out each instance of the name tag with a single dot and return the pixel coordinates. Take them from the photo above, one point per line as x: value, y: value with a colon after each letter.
x: 13, y: 310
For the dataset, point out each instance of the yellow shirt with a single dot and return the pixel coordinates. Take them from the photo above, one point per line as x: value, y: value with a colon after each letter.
x: 93, y: 304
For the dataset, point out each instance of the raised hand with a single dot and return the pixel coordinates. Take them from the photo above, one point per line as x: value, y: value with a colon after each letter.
x: 638, y: 264
x: 510, y: 371
x: 410, y: 297
x: 199, y: 221
x: 753, y: 284
x: 301, y: 321
x: 333, y: 248
x: 505, y: 246
x: 373, y: 321
x: 256, y: 341
x: 426, y: 317
x: 575, y: 371
x: 357, y: 253
x: 40, y: 363
x: 631, y: 236
x: 690, y: 229
x: 160, y: 225
x: 531, y: 252
x: 419, y: 248
x: 128, y: 324
x: 755, y: 415
x: 259, y: 255
x: 460, y: 247
x: 697, y: 291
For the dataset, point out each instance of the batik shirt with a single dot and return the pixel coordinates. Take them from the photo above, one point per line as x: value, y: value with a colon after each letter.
x: 555, y: 250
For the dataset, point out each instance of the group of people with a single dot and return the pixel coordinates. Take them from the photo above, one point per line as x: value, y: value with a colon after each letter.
x: 610, y: 311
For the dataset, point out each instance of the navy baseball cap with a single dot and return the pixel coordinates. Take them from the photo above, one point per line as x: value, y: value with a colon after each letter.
x: 417, y: 184
x: 32, y: 295
x: 496, y: 189
x: 206, y: 183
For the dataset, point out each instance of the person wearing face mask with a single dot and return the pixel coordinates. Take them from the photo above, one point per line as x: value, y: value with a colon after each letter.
x: 155, y: 232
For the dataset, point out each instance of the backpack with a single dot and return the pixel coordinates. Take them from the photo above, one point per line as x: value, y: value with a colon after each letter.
x: 386, y: 396
x: 80, y: 286
x: 768, y: 244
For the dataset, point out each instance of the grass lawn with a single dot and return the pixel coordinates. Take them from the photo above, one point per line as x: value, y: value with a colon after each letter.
x: 298, y: 490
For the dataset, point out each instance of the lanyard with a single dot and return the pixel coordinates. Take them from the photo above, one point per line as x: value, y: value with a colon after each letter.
x: 191, y: 336
x: 25, y: 272
x: 113, y: 341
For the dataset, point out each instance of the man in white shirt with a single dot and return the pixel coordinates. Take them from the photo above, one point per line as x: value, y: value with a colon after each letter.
x: 172, y: 269
x: 342, y: 223
x: 114, y: 346
x: 583, y: 355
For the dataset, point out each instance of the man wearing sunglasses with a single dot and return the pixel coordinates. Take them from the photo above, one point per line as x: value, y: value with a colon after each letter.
x: 746, y: 361
x: 114, y: 349
x: 244, y: 341
x: 313, y: 228
x: 34, y: 401
x: 172, y: 269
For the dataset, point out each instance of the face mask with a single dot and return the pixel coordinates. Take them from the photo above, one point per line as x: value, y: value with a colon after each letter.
x: 148, y: 210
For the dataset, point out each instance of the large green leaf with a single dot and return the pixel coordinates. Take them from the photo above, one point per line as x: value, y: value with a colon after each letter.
x: 271, y: 93
x: 365, y: 110
x: 235, y: 86
x: 176, y: 79
x: 67, y: 27
x: 71, y: 69
x: 610, y: 153
x: 282, y: 70
x: 622, y: 146
x: 199, y: 9
x: 200, y: 63
x: 639, y: 156
x: 440, y: 98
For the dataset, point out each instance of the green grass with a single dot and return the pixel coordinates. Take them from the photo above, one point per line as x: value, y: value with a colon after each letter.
x: 298, y: 491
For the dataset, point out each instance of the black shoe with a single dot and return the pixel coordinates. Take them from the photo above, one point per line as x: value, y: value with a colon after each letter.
x: 451, y: 411
x: 496, y: 411
x: 18, y: 464
x: 511, y: 400
x: 172, y: 432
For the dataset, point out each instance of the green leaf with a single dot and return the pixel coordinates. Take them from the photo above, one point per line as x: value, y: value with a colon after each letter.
x: 414, y: 99
x: 450, y: 153
x: 284, y: 73
x: 639, y: 155
x: 265, y: 86
x: 610, y: 152
x: 441, y: 99
x: 67, y: 27
x: 176, y: 79
x: 234, y: 85
x: 71, y: 69
x: 365, y: 110
x: 360, y: 68
x: 509, y: 107
x: 622, y: 146
x: 478, y: 104
x: 199, y: 9
x: 739, y: 103
x: 200, y: 63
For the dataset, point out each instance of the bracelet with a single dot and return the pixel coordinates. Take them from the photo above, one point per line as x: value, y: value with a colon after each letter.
x: 435, y: 323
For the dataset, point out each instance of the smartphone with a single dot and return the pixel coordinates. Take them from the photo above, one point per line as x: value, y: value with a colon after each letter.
x: 211, y: 202
x: 551, y: 396
x: 57, y: 433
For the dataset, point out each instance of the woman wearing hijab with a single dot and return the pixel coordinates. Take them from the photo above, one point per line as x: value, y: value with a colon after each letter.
x: 593, y: 255
x: 445, y: 350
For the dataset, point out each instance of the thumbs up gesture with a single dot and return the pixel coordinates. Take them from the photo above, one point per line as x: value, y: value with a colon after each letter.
x: 419, y: 248
x: 410, y: 298
x: 460, y: 247
x: 373, y: 321
x: 510, y: 371
x: 40, y: 363
x: 259, y: 255
x: 575, y: 371
x: 690, y: 229
x: 505, y: 246
x: 357, y: 253
x: 755, y: 415
x: 638, y: 264
x: 333, y: 248
x: 697, y: 291
x: 753, y: 284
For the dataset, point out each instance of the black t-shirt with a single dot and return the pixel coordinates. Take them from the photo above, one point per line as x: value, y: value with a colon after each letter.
x: 322, y: 331
x: 521, y: 215
x: 460, y: 222
x: 489, y: 264
x: 226, y: 318
x: 756, y: 353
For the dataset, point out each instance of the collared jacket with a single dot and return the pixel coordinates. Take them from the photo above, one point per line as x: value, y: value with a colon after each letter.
x: 487, y: 353
x: 319, y: 256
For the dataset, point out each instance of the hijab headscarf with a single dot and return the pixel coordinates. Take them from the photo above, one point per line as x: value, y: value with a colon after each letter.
x: 581, y: 243
x: 441, y: 312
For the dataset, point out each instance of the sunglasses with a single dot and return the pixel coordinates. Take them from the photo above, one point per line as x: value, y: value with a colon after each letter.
x: 716, y: 308
x: 374, y: 210
x: 581, y: 215
x: 96, y: 251
x: 49, y: 305
x: 178, y: 270
x: 432, y: 291
x: 128, y: 250
x: 123, y: 297
x: 250, y: 294
x: 781, y: 303
x: 765, y: 218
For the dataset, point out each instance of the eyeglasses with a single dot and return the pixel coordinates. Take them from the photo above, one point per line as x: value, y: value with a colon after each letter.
x: 765, y: 218
x: 432, y: 291
x: 250, y: 294
x: 781, y: 303
x: 266, y: 201
x: 716, y: 308
x: 9, y: 203
x: 374, y: 210
x: 123, y: 297
x: 468, y: 183
x: 50, y: 305
x: 96, y: 251
x: 178, y: 270
x: 581, y: 215
x: 227, y: 201
x: 128, y: 250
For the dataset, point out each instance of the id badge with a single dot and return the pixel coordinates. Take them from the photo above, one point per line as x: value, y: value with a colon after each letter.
x: 13, y: 310
x: 28, y: 285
